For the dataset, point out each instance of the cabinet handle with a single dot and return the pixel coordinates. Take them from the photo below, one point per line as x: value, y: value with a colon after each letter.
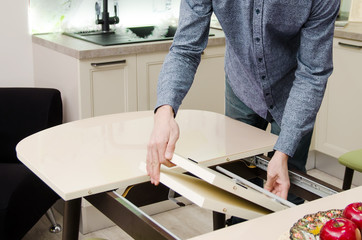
x: 349, y: 45
x: 108, y: 63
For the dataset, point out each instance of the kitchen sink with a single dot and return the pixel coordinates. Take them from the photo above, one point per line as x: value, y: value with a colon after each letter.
x: 130, y: 35
x: 144, y: 32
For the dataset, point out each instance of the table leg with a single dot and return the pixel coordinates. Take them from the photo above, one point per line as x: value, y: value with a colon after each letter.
x: 218, y: 220
x: 71, y: 218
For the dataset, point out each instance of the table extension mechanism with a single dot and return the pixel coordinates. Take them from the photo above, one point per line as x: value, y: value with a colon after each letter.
x: 125, y: 214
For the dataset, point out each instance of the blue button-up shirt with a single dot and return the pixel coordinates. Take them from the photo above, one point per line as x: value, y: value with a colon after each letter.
x: 278, y: 57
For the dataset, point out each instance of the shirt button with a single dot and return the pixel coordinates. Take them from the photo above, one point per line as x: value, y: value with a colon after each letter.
x: 257, y: 39
x: 267, y: 94
x: 260, y: 59
x: 271, y: 106
x: 263, y: 77
x: 257, y: 11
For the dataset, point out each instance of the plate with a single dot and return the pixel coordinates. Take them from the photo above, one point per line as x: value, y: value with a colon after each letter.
x: 308, y: 227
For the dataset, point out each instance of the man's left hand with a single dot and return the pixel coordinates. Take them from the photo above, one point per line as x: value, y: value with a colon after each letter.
x: 277, y: 175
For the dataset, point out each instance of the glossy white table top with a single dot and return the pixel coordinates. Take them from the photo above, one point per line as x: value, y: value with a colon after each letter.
x: 104, y: 153
x: 275, y: 225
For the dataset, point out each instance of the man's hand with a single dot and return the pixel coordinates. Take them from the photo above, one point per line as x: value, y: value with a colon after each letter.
x: 162, y: 142
x: 277, y: 175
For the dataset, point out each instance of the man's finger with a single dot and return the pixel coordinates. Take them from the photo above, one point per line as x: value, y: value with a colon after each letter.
x: 284, y: 194
x: 171, y: 145
x: 155, y: 173
x: 162, y: 156
x: 276, y: 188
x: 269, y: 185
x: 155, y: 166
x: 169, y: 154
x: 283, y: 191
x: 148, y: 164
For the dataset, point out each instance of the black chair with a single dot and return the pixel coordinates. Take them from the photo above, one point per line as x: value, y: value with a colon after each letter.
x: 24, y: 198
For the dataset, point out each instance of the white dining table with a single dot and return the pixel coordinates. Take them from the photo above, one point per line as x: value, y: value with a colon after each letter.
x: 96, y: 155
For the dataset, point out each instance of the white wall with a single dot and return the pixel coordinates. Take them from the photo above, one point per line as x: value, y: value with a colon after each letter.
x: 16, y: 64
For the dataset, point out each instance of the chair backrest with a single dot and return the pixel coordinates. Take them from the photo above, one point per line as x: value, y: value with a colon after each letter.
x: 24, y: 111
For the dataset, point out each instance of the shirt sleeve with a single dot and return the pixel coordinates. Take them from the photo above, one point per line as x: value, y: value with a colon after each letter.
x: 315, y: 65
x: 180, y: 65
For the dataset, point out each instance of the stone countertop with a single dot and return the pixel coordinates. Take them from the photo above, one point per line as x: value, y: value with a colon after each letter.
x: 82, y: 50
x: 352, y: 31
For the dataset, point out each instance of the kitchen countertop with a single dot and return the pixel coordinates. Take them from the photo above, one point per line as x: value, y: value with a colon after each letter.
x: 84, y: 50
x: 352, y: 31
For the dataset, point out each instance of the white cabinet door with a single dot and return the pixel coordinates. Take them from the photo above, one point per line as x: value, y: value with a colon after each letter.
x: 207, y: 91
x: 148, y: 68
x: 108, y: 86
x: 338, y: 127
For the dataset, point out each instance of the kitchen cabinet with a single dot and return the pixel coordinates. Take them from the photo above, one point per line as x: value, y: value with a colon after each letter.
x: 108, y: 85
x: 90, y: 87
x: 207, y: 91
x: 338, y: 126
x: 129, y: 82
x: 149, y: 66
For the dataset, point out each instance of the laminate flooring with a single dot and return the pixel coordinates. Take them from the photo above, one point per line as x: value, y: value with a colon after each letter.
x: 184, y: 222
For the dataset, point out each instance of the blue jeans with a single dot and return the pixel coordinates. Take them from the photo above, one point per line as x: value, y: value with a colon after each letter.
x: 236, y: 109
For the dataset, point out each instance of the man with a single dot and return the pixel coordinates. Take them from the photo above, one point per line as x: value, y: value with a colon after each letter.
x: 277, y: 61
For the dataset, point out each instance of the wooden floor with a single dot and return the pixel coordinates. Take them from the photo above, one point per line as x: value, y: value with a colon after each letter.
x: 184, y: 222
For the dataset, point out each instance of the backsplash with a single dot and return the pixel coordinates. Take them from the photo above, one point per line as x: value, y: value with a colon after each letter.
x: 80, y: 15
x: 47, y: 16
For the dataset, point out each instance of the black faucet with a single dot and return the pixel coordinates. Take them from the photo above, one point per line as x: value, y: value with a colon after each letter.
x: 106, y: 19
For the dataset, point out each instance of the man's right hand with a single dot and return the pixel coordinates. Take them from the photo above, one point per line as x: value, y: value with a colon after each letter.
x: 162, y: 143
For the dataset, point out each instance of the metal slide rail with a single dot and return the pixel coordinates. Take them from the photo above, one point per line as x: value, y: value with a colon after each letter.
x: 296, y: 178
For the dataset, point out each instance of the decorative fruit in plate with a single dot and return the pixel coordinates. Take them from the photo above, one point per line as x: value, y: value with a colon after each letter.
x: 340, y: 229
x: 354, y: 212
